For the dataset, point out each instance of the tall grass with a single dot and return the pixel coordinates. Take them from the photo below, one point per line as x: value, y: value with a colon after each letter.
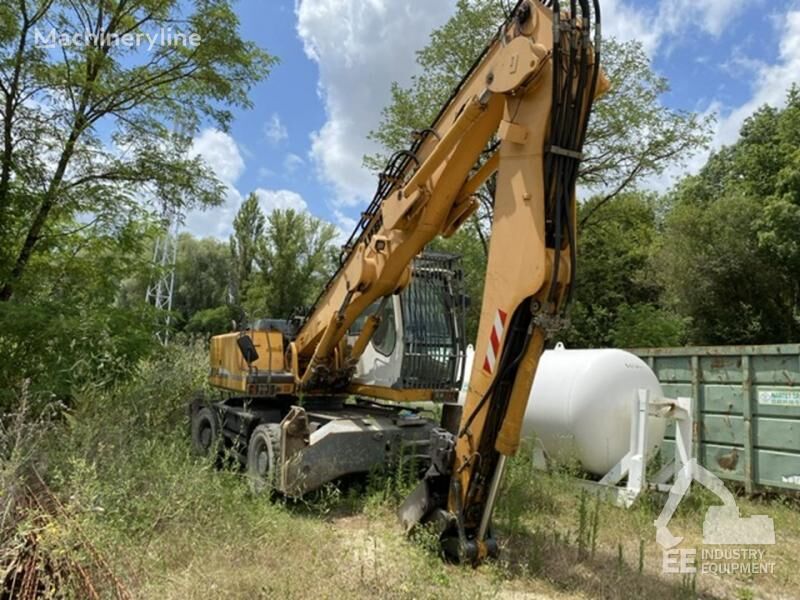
x: 124, y: 502
x: 134, y: 509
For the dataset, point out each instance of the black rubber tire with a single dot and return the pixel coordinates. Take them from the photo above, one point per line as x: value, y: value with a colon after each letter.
x: 206, y: 433
x: 263, y: 456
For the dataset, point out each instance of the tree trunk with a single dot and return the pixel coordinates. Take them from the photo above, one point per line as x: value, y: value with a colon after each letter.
x: 49, y: 200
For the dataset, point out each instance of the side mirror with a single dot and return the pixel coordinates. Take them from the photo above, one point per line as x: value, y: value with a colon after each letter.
x: 247, y: 348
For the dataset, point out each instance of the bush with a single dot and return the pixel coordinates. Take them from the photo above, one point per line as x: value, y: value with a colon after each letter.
x: 648, y: 326
x: 59, y: 346
x: 212, y: 321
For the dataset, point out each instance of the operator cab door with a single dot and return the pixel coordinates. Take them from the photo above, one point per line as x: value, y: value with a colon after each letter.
x: 419, y: 343
x: 382, y: 360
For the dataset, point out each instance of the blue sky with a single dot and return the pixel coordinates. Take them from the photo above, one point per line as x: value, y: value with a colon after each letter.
x: 301, y: 145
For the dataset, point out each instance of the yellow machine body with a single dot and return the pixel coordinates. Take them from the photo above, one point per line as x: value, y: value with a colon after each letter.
x: 264, y: 377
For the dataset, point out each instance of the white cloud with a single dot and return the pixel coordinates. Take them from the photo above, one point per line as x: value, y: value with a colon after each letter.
x: 360, y: 46
x: 770, y: 82
x: 626, y: 23
x: 346, y: 223
x: 274, y: 130
x: 716, y: 14
x: 270, y: 200
x: 678, y: 17
x: 672, y: 19
x: 344, y: 226
x: 220, y: 151
x: 222, y: 154
x: 292, y: 162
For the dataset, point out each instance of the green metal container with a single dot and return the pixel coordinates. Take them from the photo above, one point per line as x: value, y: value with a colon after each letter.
x: 746, y: 403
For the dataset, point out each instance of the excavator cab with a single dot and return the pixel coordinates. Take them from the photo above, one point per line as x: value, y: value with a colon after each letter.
x: 420, y: 342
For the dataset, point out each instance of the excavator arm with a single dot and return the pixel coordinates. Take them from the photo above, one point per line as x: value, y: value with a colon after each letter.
x: 531, y: 94
x: 544, y: 72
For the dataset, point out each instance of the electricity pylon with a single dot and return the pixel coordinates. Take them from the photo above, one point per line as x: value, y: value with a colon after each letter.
x: 162, y: 286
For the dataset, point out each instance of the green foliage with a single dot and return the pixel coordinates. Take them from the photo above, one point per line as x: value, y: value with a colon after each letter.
x: 91, y: 136
x: 63, y: 107
x: 617, y: 294
x: 65, y: 327
x: 202, y: 275
x: 709, y: 252
x: 632, y: 136
x: 647, y: 326
x: 121, y: 464
x: 201, y: 287
x: 248, y: 229
x: 729, y: 255
x: 295, y: 257
x: 170, y: 525
x: 142, y: 420
x: 212, y: 321
x: 270, y: 266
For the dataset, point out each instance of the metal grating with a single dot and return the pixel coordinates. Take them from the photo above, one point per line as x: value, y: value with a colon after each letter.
x: 433, y: 324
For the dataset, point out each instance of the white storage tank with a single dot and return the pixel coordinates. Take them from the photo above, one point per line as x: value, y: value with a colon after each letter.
x: 580, y: 406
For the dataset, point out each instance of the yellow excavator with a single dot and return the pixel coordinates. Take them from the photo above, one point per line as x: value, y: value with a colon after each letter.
x: 335, y: 390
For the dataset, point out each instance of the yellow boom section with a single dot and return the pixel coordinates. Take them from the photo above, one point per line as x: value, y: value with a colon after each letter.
x: 507, y: 95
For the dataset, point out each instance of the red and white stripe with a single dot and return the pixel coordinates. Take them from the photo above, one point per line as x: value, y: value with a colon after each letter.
x: 493, y: 349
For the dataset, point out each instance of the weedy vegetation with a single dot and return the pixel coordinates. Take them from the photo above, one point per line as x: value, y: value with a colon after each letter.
x: 104, y: 498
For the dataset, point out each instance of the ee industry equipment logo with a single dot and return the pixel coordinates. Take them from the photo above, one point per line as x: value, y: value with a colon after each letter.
x: 723, y: 526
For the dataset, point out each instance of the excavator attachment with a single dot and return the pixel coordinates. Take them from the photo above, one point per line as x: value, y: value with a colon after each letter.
x: 531, y: 263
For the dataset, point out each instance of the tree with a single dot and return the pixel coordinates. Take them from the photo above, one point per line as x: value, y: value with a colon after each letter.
x: 730, y: 252
x: 202, y: 273
x: 72, y: 329
x: 212, y: 321
x: 717, y: 275
x: 295, y: 258
x: 618, y: 298
x: 248, y: 229
x: 631, y: 136
x: 94, y: 128
x: 201, y: 297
